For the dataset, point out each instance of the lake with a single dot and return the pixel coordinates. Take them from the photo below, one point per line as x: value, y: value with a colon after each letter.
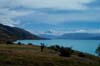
x: 87, y: 46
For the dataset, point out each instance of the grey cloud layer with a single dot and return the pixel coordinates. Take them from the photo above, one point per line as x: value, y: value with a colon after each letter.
x: 12, y: 9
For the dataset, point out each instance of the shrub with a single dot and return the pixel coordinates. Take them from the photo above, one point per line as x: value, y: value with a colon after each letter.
x: 19, y: 43
x: 55, y: 47
x: 63, y: 51
x: 9, y: 42
x: 66, y: 52
x: 98, y: 50
x: 81, y: 54
x: 30, y: 44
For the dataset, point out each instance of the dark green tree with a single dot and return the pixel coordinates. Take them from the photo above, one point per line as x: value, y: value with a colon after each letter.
x: 98, y: 50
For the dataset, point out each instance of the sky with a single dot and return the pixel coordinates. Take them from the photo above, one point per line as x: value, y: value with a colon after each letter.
x: 52, y: 16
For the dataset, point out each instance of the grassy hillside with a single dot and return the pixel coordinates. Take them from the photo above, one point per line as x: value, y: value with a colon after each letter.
x: 27, y: 55
x: 8, y: 33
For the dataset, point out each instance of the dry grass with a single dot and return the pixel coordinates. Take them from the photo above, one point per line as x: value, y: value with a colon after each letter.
x: 25, y: 55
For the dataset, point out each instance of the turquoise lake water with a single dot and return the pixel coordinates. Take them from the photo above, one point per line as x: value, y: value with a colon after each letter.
x: 87, y: 46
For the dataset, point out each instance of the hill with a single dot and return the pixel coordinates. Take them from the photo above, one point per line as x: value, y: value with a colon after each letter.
x: 14, y: 33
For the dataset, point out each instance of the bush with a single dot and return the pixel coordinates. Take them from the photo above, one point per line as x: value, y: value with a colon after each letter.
x: 30, y: 44
x: 66, y: 52
x: 81, y: 54
x: 98, y: 50
x: 19, y: 43
x: 55, y: 47
x: 9, y: 42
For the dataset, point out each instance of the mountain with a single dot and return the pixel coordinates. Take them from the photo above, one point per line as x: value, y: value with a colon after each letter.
x: 86, y: 36
x: 14, y: 33
x: 48, y: 36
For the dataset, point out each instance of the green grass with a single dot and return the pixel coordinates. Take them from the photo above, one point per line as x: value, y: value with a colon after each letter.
x: 25, y: 55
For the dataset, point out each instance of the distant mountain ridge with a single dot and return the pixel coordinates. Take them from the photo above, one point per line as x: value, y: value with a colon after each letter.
x: 84, y: 36
x: 47, y: 36
x: 14, y: 33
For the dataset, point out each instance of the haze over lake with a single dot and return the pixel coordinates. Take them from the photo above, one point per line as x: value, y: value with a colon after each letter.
x: 87, y: 46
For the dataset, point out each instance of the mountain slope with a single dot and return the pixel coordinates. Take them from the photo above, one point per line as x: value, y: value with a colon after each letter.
x: 84, y: 36
x: 91, y: 36
x: 48, y: 36
x: 14, y: 33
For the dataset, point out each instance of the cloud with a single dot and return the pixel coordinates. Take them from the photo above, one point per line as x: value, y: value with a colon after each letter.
x: 58, y: 33
x: 51, y: 32
x: 58, y: 18
x: 12, y: 11
x: 87, y: 31
x: 55, y: 4
x: 94, y: 4
x: 7, y: 16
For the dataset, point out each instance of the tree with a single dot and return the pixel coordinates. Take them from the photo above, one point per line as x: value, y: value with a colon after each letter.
x: 98, y: 50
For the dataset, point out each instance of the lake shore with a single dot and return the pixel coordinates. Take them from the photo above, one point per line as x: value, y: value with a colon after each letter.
x: 86, y: 46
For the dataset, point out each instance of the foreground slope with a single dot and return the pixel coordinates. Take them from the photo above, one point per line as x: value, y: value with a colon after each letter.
x: 28, y: 55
